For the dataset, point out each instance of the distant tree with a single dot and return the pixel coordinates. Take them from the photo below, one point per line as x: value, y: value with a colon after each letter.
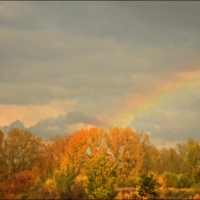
x: 147, y: 186
x: 20, y: 151
x: 181, y: 148
x: 151, y: 161
x: 192, y: 160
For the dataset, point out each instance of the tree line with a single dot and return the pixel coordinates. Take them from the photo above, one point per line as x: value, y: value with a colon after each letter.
x: 89, y: 163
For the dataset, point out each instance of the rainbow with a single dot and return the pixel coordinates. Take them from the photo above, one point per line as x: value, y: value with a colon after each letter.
x: 157, y: 96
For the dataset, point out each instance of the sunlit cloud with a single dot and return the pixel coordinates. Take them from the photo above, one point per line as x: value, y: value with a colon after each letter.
x: 31, y: 114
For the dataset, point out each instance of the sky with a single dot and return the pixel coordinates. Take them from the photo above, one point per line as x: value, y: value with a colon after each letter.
x: 70, y: 65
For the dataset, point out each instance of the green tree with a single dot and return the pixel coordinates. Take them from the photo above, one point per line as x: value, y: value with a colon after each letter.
x: 183, y: 182
x: 65, y: 178
x: 101, y: 176
x: 147, y: 186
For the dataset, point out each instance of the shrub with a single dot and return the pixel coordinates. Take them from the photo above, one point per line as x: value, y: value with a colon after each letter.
x: 169, y: 179
x: 183, y: 182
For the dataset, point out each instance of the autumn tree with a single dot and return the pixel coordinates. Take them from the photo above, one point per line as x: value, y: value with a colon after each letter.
x: 126, y: 149
x: 19, y: 183
x: 174, y: 161
x: 101, y: 175
x: 46, y: 163
x: 169, y: 160
x: 81, y: 145
x: 96, y: 140
x: 58, y: 144
x: 181, y: 148
x: 20, y: 151
x: 151, y: 159
x: 192, y: 161
x: 53, y: 150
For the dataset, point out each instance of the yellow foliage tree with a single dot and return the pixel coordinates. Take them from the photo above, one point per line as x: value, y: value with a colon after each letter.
x: 192, y: 161
x: 101, y: 175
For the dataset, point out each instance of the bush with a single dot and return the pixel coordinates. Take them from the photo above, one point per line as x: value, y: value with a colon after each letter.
x: 183, y: 182
x: 169, y: 179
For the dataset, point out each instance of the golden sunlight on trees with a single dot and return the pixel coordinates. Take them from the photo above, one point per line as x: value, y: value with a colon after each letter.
x: 192, y: 161
x: 82, y: 144
x: 20, y: 151
x: 93, y: 163
x: 127, y: 148
x: 76, y: 151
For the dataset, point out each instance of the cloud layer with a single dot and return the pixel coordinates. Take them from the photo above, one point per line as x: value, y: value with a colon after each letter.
x: 100, y: 59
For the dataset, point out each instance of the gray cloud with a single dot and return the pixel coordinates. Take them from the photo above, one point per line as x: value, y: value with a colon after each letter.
x: 59, y: 125
x: 99, y: 54
x: 16, y: 124
x: 178, y: 120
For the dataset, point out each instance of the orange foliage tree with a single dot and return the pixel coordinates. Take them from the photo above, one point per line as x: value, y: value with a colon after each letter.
x: 126, y: 148
x: 81, y: 146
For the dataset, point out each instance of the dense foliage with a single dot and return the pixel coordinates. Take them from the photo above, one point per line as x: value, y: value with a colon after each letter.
x: 101, y: 176
x: 64, y: 180
x: 91, y: 163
